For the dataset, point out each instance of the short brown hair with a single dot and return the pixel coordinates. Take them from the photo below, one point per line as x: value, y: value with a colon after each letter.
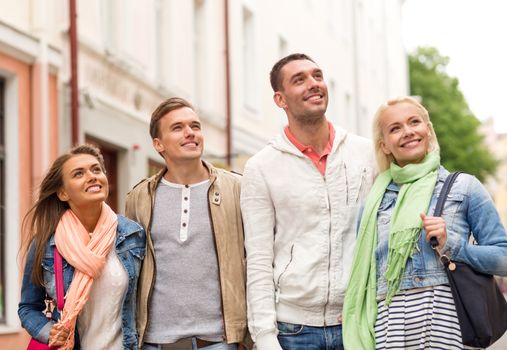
x: 275, y: 76
x: 165, y: 107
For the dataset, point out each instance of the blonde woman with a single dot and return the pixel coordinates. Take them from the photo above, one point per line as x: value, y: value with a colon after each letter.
x: 102, y: 254
x: 398, y: 295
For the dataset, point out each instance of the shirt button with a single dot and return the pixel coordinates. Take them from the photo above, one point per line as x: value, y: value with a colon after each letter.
x: 186, y: 198
x: 184, y: 224
x: 185, y: 211
x: 187, y: 186
x: 417, y: 279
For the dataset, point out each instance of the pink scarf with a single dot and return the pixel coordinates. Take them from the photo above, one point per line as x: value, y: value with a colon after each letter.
x: 88, y: 256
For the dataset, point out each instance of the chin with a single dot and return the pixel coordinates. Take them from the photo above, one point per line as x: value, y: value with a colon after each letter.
x: 194, y: 156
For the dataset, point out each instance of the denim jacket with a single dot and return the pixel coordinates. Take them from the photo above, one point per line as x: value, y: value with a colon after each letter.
x: 468, y: 210
x: 130, y: 247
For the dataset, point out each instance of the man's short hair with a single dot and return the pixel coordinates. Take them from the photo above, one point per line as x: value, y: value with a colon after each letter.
x: 275, y: 77
x: 165, y: 107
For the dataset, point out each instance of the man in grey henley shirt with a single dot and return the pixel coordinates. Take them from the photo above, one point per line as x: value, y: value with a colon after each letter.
x: 192, y: 282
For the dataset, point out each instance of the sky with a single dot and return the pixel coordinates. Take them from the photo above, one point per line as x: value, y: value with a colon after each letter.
x: 473, y: 34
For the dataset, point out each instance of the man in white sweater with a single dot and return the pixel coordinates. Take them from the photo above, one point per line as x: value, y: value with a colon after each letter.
x: 299, y: 199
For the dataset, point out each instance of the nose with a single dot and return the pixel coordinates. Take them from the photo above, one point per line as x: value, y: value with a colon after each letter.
x: 91, y: 175
x: 189, y: 131
x: 313, y: 83
x: 407, y: 130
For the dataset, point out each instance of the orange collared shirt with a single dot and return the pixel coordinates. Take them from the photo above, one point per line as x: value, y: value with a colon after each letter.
x: 320, y: 160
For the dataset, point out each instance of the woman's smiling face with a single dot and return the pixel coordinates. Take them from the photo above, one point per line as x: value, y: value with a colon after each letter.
x: 406, y: 135
x: 84, y: 181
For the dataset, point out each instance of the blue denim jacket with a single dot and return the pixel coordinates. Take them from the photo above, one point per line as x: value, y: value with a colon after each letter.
x: 130, y: 247
x: 468, y: 210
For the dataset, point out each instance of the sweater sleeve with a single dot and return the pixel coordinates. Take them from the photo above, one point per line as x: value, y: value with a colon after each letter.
x: 259, y: 222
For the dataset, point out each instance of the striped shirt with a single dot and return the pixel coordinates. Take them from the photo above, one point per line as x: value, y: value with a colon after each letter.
x: 421, y: 318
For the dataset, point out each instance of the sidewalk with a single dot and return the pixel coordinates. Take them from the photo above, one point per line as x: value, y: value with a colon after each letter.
x: 501, y: 344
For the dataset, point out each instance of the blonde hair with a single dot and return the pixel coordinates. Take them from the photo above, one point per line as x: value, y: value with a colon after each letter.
x: 384, y: 160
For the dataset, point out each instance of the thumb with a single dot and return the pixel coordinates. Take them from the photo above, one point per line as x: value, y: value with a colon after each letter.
x: 423, y: 216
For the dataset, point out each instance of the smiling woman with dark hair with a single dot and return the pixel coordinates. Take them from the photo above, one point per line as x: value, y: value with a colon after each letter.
x: 399, y: 295
x: 101, y: 252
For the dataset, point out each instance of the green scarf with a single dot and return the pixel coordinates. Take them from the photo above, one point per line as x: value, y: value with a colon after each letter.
x: 360, y: 306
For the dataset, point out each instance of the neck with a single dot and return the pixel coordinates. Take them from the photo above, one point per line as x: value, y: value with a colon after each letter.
x: 314, y: 135
x: 89, y: 215
x: 186, y: 173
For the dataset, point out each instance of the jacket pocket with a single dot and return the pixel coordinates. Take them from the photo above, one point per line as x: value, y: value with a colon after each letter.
x: 362, y: 185
x: 287, y: 329
x: 281, y: 275
x: 452, y: 208
x: 302, y: 274
x: 355, y: 181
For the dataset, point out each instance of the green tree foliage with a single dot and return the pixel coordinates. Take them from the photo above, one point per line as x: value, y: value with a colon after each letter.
x: 461, y: 144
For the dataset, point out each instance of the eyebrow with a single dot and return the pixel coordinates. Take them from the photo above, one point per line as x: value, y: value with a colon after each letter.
x: 83, y: 168
x: 409, y: 118
x: 315, y: 70
x: 296, y: 75
x: 194, y: 122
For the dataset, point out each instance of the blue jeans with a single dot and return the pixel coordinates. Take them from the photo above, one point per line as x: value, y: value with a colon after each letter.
x: 301, y: 337
x: 218, y: 346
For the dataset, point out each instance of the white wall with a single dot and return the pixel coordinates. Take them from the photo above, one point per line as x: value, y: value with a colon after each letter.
x: 357, y: 44
x: 135, y: 53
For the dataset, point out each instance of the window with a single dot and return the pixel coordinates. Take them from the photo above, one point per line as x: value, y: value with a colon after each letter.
x: 282, y: 47
x: 200, y: 57
x: 111, y: 163
x: 332, y: 110
x: 249, y: 75
x: 2, y: 204
x: 108, y: 22
x: 159, y: 44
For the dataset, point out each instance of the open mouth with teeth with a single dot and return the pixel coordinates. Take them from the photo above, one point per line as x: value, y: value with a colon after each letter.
x: 411, y: 143
x: 94, y: 188
x: 314, y: 97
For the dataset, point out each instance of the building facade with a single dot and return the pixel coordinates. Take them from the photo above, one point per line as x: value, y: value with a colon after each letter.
x: 132, y: 54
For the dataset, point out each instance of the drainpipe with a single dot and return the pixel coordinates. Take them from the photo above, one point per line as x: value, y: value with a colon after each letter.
x: 228, y: 133
x: 74, y: 92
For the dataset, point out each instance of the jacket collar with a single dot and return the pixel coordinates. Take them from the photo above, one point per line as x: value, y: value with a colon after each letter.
x: 155, y: 179
x: 282, y: 143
